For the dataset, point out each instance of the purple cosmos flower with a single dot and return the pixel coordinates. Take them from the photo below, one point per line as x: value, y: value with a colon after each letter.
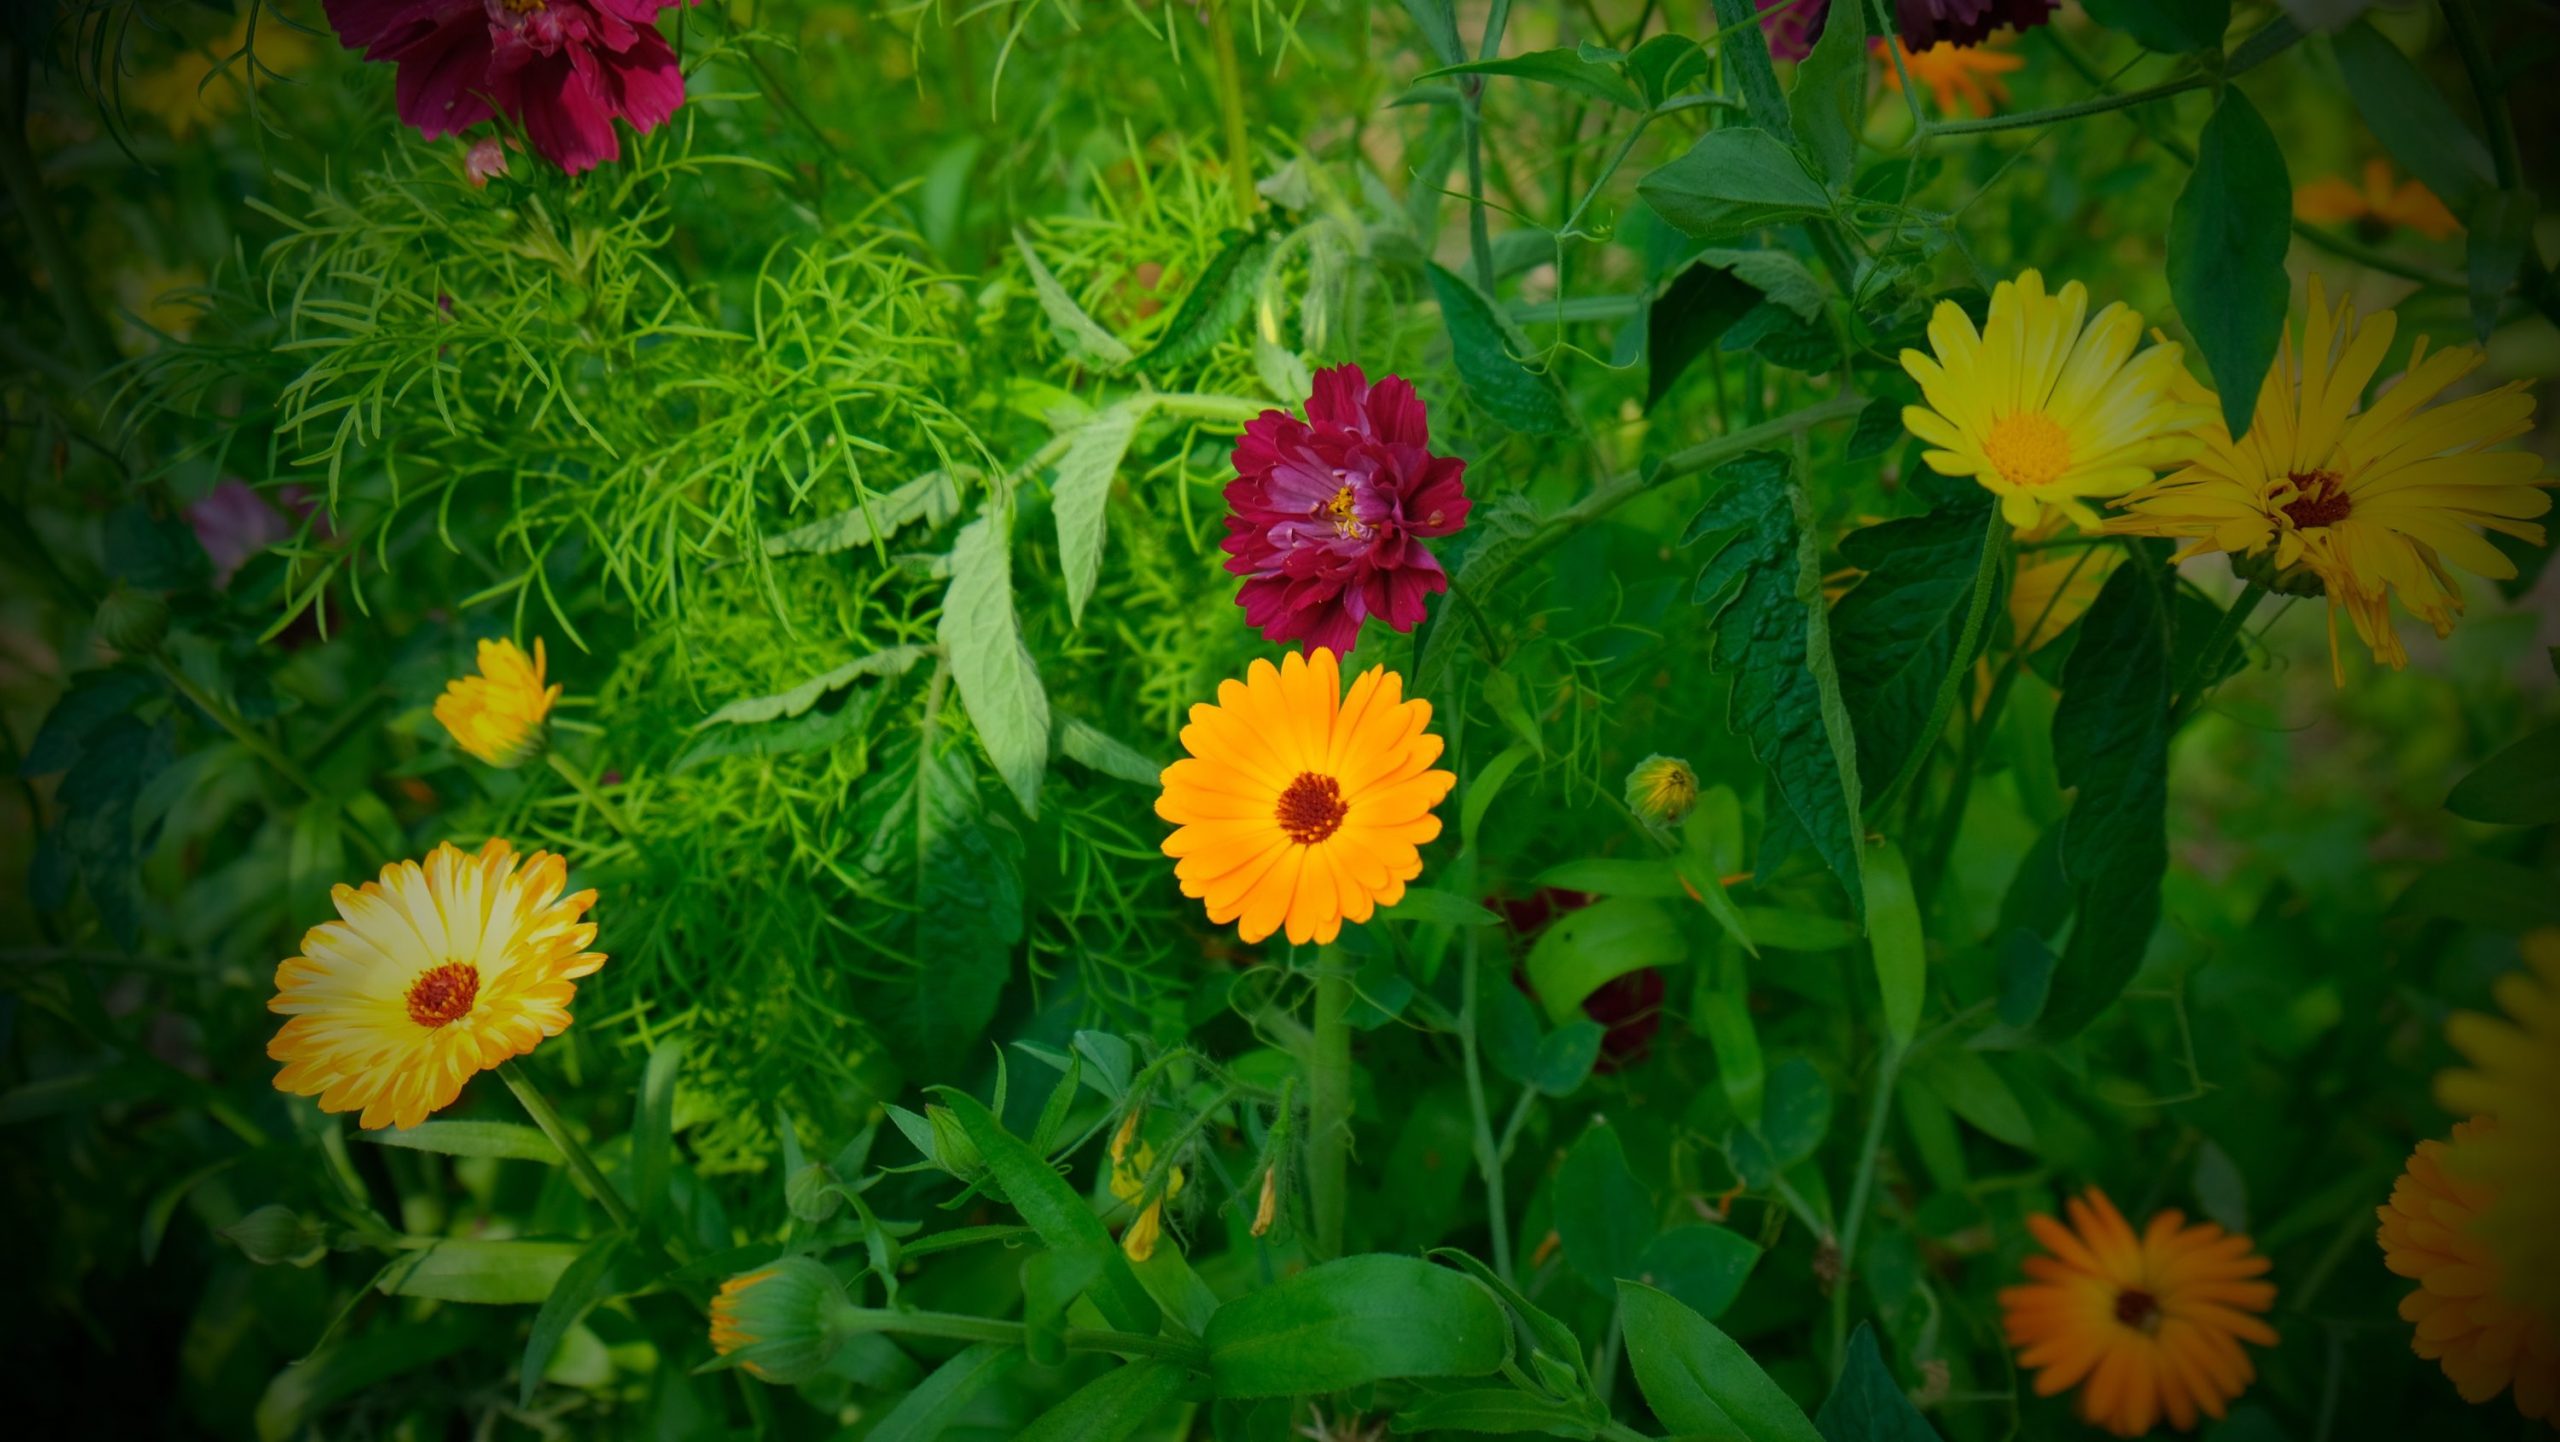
x: 1923, y: 22
x: 1327, y: 513
x: 565, y: 70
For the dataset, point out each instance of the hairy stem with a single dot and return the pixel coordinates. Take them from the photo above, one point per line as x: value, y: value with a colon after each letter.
x: 1329, y: 1100
x: 1488, y: 1152
x: 958, y: 1327
x: 589, y: 1175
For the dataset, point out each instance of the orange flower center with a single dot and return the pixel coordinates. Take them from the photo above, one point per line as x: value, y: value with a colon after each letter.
x: 2139, y: 1310
x: 444, y: 994
x: 2318, y: 500
x: 2028, y: 449
x: 1345, y: 515
x: 1312, y: 808
x: 523, y: 7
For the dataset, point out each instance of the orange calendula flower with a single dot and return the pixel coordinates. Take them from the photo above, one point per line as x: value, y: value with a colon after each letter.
x: 2469, y: 1319
x: 1300, y: 806
x: 2376, y: 207
x: 499, y: 714
x: 2512, y: 1075
x: 2147, y: 1325
x: 1129, y: 1171
x: 1958, y: 77
x: 436, y: 972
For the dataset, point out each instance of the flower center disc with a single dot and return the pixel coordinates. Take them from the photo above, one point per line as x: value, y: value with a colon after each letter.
x: 1345, y: 515
x: 2028, y: 449
x: 2318, y: 500
x: 444, y: 994
x: 1311, y: 809
x: 2139, y: 1310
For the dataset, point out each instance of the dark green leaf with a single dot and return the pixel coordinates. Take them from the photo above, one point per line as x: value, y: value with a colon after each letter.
x: 1866, y: 1404
x: 1546, y: 1335
x: 2227, y: 240
x: 1438, y: 22
x: 1697, y: 1379
x: 1423, y: 904
x: 301, y: 1391
x: 1603, y: 1216
x: 1897, y: 633
x: 2172, y: 27
x: 1354, y: 1321
x: 1731, y: 182
x: 1487, y: 352
x: 1053, y: 1209
x: 932, y: 841
x: 1829, y: 102
x: 1795, y: 1112
x: 653, y: 1130
x: 95, y: 698
x: 587, y: 1282
x: 1493, y: 1409
x: 1565, y: 1056
x: 1687, y: 320
x: 1664, y: 65
x: 1209, y: 313
x: 1112, y: 1406
x: 1879, y: 427
x: 1966, y: 1082
x: 1051, y: 1281
x: 1703, y: 1266
x: 2520, y: 786
x: 2484, y: 892
x: 2426, y: 136
x: 2026, y: 976
x: 510, y: 1140
x: 2500, y: 229
x: 1564, y: 69
x: 937, y: 1402
x: 1746, y: 60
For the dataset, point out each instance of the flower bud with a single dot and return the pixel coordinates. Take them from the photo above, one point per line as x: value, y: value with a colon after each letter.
x: 1661, y: 790
x: 273, y: 1234
x: 783, y: 1322
x: 952, y: 1149
x: 486, y: 160
x: 1268, y: 1211
x: 132, y: 621
x: 811, y: 1193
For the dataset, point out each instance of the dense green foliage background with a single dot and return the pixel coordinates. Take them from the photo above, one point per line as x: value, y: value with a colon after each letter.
x: 912, y: 305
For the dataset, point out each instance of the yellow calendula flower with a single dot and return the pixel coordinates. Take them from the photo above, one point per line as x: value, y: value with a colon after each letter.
x: 783, y: 1322
x: 1661, y: 789
x: 499, y: 714
x: 2469, y: 1315
x: 434, y: 973
x: 2046, y: 407
x: 1131, y: 1161
x: 2377, y: 501
x: 2512, y: 1075
x: 1300, y: 806
x: 208, y: 82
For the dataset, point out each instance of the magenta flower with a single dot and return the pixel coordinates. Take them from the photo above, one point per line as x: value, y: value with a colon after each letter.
x: 1327, y: 513
x: 565, y: 70
x: 1923, y: 23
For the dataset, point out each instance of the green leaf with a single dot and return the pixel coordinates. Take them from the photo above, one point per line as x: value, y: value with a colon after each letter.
x: 1878, y: 429
x: 1651, y: 877
x: 1564, y: 69
x: 2172, y: 27
x: 1112, y: 1406
x: 2500, y: 231
x: 1351, y: 1322
x: 1829, y: 102
x: 1487, y: 785
x: 2484, y: 892
x: 1745, y: 49
x: 511, y: 1141
x: 1083, y: 488
x: 1687, y: 320
x: 1703, y: 1266
x: 1423, y: 904
x: 1664, y: 65
x: 932, y: 498
x: 1603, y: 1216
x: 1063, y: 1220
x: 588, y: 1280
x: 2520, y: 786
x: 2227, y: 238
x: 1051, y: 1281
x: 461, y: 1269
x: 1563, y: 1058
x: 937, y: 1402
x: 653, y: 1125
x: 1732, y: 182
x: 818, y: 729
x: 1108, y: 755
x: 1779, y: 277
x: 1493, y: 1409
x: 1898, y: 634
x: 300, y: 1392
x: 1487, y: 350
x: 1795, y: 1113
x: 2426, y: 136
x: 1208, y: 314
x: 998, y: 681
x: 1965, y: 1081
x: 1697, y: 1379
x: 895, y: 661
x: 1078, y: 332
x: 1724, y: 1018
x: 1866, y: 1404
x: 1547, y: 1336
x: 1763, y: 591
x: 933, y: 847
x: 1438, y: 22
x: 2111, y: 743
x: 1585, y: 950
x: 1893, y: 934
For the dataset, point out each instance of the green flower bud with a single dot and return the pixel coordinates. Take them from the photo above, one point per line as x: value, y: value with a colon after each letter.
x: 274, y: 1234
x: 784, y: 1322
x: 1661, y: 790
x: 811, y: 1193
x: 132, y: 621
x: 952, y: 1149
x: 2298, y: 580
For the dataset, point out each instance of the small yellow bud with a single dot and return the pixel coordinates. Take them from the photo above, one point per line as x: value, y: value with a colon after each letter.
x: 1661, y: 790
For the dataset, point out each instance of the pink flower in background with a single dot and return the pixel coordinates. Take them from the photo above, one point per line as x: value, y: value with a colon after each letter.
x: 1327, y: 513
x: 233, y: 523
x: 565, y: 70
x: 486, y: 161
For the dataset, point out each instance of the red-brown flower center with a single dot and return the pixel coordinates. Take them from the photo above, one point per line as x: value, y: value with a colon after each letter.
x: 444, y: 994
x: 2139, y: 1310
x: 1312, y: 808
x: 2318, y: 500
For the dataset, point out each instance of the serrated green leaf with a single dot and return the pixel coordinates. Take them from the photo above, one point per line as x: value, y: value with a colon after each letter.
x: 931, y: 498
x: 1107, y: 754
x: 2227, y: 239
x: 1082, y: 495
x: 1487, y: 350
x: 1077, y: 331
x: 1731, y: 182
x: 1745, y: 51
x: 895, y: 661
x: 1208, y: 314
x: 998, y: 681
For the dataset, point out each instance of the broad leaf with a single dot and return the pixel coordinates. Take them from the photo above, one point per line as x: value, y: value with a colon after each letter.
x: 2173, y: 27
x: 1866, y: 1404
x: 1054, y: 1210
x: 933, y: 846
x: 2520, y: 786
x: 2227, y: 239
x: 998, y: 681
x: 1603, y: 1216
x: 1898, y: 632
x: 1585, y: 950
x: 1112, y: 1406
x: 1082, y: 494
x: 1503, y: 1410
x: 923, y: 1414
x: 1350, y: 1322
x: 1731, y: 182
x: 1829, y: 102
x: 1698, y: 1380
x: 2426, y: 136
x: 1687, y: 320
x: 1702, y: 1265
x: 1487, y: 351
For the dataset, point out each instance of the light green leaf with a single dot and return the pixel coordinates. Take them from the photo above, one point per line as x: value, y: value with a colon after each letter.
x: 460, y: 1269
x: 1966, y: 1082
x: 1112, y: 1406
x: 1653, y: 878
x: 998, y: 681
x: 1354, y: 1321
x: 1082, y: 494
x: 1423, y: 904
x: 1586, y: 949
x: 932, y: 498
x: 1075, y: 330
x: 1732, y: 182
x: 959, y: 873
x: 1107, y: 754
x: 2227, y: 239
x: 512, y: 1141
x: 895, y: 661
x: 1893, y: 934
x: 1698, y: 1380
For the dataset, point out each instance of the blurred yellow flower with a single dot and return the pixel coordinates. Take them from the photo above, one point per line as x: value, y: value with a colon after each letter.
x: 2377, y: 206
x: 2512, y: 1074
x: 2053, y: 588
x: 1958, y: 77
x: 206, y: 83
x: 2046, y: 412
x: 499, y: 714
x: 434, y: 973
x: 2470, y: 1319
x: 2378, y: 501
x: 156, y: 301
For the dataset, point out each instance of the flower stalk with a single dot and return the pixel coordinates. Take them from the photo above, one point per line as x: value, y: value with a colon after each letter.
x: 1329, y: 1099
x: 590, y: 1176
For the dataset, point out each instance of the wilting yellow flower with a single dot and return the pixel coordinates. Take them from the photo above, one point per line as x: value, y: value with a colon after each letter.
x: 1267, y: 1210
x: 436, y: 972
x: 2469, y: 1319
x: 1661, y: 789
x: 499, y: 714
x: 2377, y: 205
x: 2376, y: 502
x: 1129, y: 1183
x: 1298, y: 805
x: 1958, y: 77
x: 783, y: 1322
x: 187, y: 95
x: 2513, y: 1076
x: 2044, y: 411
x: 2146, y: 1326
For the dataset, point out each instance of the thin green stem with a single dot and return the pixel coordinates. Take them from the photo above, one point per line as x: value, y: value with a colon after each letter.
x: 276, y: 761
x: 63, y: 280
x: 1488, y: 1153
x: 1852, y: 1219
x: 1329, y: 1100
x: 2195, y: 686
x: 594, y: 796
x: 1985, y: 577
x: 2472, y: 44
x: 2253, y: 52
x: 1222, y: 41
x: 958, y: 1327
x: 589, y: 1175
